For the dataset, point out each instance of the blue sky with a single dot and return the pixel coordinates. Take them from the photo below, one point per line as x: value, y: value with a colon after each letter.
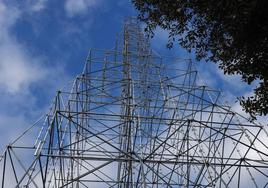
x: 44, y: 43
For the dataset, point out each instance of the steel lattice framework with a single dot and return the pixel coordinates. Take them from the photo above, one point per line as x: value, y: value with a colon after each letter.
x: 135, y: 119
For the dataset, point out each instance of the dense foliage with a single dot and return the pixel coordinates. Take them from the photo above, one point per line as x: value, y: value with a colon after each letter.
x: 232, y: 33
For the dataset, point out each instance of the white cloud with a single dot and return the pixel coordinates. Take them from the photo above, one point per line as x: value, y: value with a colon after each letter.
x: 206, y: 74
x: 234, y: 81
x: 8, y: 125
x: 19, y: 71
x: 76, y: 7
x: 16, y: 70
x: 8, y: 16
x: 17, y: 67
x: 160, y: 39
x: 37, y: 5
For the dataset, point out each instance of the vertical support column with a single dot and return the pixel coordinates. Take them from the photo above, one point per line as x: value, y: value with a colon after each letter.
x: 125, y: 168
x: 4, y: 169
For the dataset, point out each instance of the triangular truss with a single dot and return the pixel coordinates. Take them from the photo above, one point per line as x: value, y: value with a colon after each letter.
x: 135, y: 119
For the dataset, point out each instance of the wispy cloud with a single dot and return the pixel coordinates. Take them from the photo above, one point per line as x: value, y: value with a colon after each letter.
x: 16, y: 72
x: 160, y: 38
x: 233, y: 81
x: 20, y: 71
x: 17, y: 69
x: 79, y: 7
x: 37, y: 5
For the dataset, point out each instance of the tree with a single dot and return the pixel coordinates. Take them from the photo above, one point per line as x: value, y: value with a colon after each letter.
x: 231, y: 33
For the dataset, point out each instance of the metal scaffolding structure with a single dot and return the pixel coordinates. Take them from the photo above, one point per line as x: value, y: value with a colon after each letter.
x: 135, y: 119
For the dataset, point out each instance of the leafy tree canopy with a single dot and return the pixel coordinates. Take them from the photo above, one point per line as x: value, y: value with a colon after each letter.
x: 232, y: 33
